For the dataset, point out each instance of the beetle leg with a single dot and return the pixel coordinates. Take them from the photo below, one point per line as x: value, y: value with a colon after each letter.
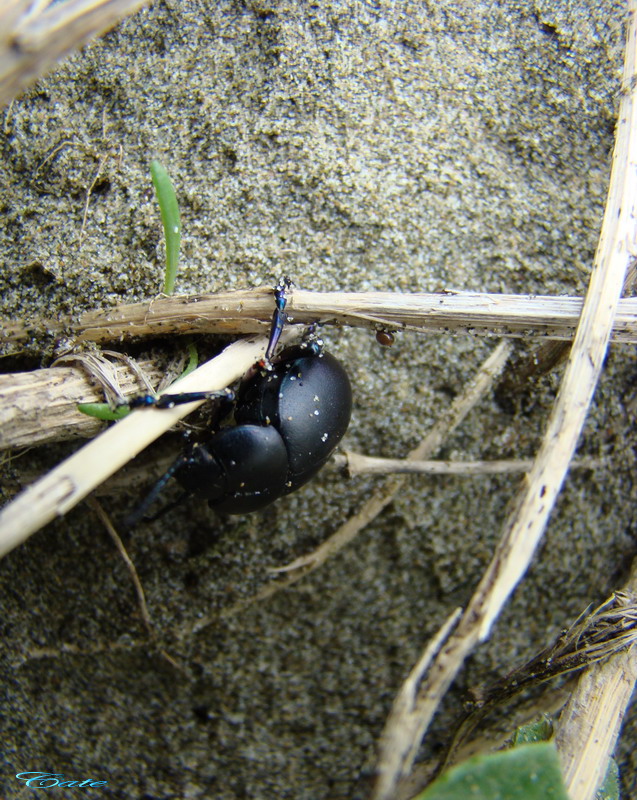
x: 312, y: 339
x: 139, y: 513
x: 172, y: 400
x: 279, y: 318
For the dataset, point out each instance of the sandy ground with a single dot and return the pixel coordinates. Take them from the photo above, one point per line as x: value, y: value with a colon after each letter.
x: 393, y: 145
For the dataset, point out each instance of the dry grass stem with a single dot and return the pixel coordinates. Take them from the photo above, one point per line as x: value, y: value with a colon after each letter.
x: 62, y: 488
x: 34, y: 36
x: 615, y: 252
x: 250, y: 311
x: 404, y: 723
x: 41, y: 406
x: 359, y: 464
x: 38, y: 653
x: 531, y: 508
x: 589, y: 725
x: 87, y: 200
x: 106, y: 521
x: 98, y: 510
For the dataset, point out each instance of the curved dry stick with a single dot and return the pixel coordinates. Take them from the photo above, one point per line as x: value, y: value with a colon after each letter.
x: 250, y: 311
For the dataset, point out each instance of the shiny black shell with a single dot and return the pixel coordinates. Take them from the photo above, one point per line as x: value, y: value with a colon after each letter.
x: 288, y: 422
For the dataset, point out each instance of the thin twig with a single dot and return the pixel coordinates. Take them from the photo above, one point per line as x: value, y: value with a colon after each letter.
x: 94, y: 649
x: 250, y: 311
x: 130, y: 566
x: 89, y: 191
x: 359, y: 464
x: 106, y: 521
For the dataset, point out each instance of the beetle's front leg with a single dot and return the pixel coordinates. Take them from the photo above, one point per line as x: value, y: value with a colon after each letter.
x: 279, y: 318
x: 172, y: 400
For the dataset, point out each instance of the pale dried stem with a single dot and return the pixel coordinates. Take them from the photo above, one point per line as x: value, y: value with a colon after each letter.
x: 404, y: 725
x: 34, y: 36
x: 589, y: 725
x: 616, y: 250
x: 531, y: 508
x: 250, y: 311
x: 359, y: 464
x: 41, y: 406
x: 132, y: 569
x: 130, y: 566
x: 62, y: 488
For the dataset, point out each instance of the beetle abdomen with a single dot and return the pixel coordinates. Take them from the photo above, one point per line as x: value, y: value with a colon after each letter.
x: 239, y: 470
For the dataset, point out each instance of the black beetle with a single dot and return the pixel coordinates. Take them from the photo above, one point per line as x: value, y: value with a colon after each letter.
x: 291, y: 411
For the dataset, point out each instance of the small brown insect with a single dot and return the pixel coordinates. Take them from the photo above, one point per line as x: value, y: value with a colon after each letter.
x: 385, y: 338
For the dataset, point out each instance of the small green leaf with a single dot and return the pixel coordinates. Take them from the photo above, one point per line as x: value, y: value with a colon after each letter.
x: 193, y: 361
x: 169, y: 209
x: 541, y: 730
x: 528, y: 772
x: 103, y: 411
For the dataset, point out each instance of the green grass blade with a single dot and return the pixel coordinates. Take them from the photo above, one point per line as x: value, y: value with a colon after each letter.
x: 169, y: 209
x: 193, y: 361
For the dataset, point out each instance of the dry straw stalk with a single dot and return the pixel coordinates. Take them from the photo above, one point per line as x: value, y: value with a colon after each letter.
x: 250, y: 311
